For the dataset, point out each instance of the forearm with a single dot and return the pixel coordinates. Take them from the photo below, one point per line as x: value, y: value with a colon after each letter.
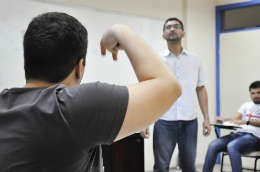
x: 158, y: 88
x: 203, y: 101
x: 146, y: 63
x: 228, y: 119
x: 254, y: 123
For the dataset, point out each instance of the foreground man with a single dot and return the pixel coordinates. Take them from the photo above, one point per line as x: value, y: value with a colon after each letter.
x: 246, y: 140
x: 54, y: 123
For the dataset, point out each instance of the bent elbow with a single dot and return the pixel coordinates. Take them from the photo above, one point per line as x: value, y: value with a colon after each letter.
x: 177, y: 90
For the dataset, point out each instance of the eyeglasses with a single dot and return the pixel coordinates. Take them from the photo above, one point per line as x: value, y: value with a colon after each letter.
x: 176, y: 26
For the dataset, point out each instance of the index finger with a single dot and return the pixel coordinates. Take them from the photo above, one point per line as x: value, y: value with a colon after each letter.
x: 102, y: 47
x: 114, y: 55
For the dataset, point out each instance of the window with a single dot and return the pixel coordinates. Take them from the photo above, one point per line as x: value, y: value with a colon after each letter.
x: 240, y: 18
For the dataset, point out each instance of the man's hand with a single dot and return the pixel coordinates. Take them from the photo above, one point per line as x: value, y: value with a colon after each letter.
x: 143, y: 107
x: 206, y: 128
x: 145, y: 133
x: 218, y: 120
x: 203, y: 102
x: 238, y: 121
x: 110, y: 43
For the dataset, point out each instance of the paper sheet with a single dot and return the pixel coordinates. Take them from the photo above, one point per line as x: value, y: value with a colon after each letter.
x: 228, y: 123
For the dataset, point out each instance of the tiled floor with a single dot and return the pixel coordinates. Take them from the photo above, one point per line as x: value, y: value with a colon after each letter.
x: 216, y: 169
x: 199, y: 168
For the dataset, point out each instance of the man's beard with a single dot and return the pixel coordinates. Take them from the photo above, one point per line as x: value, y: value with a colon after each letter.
x: 176, y: 39
x: 256, y: 101
x: 173, y: 39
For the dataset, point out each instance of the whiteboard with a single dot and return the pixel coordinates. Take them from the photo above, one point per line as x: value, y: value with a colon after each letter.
x: 15, y: 16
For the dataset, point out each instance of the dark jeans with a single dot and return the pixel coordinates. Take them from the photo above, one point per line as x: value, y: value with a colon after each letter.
x: 166, y: 135
x: 235, y: 144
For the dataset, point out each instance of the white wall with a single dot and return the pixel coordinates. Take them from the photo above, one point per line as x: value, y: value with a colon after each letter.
x: 149, y: 157
x: 227, y: 2
x: 201, y: 40
x: 198, y: 17
x: 150, y: 8
x: 199, y: 21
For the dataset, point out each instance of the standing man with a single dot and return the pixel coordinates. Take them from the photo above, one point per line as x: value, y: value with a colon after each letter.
x: 179, y: 124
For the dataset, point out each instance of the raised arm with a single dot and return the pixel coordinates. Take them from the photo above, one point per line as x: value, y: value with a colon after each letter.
x: 158, y: 88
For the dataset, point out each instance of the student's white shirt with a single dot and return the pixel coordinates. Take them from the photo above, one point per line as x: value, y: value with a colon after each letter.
x: 188, y: 69
x: 250, y: 111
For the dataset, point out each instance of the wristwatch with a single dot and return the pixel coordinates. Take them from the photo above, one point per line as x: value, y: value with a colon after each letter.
x: 248, y: 122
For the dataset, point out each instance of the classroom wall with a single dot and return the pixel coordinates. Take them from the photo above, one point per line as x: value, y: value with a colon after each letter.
x: 201, y: 40
x: 232, y: 48
x: 199, y: 20
x: 150, y: 8
x: 227, y: 2
x: 198, y: 17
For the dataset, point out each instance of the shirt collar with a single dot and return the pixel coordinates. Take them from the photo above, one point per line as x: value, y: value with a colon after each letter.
x: 167, y: 52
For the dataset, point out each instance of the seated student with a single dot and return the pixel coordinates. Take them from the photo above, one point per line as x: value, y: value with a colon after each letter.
x: 54, y: 124
x: 246, y: 140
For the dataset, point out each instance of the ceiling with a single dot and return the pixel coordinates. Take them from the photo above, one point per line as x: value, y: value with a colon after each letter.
x: 160, y: 9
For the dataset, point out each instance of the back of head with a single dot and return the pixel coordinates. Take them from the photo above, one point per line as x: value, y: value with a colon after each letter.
x: 53, y: 44
x: 254, y: 85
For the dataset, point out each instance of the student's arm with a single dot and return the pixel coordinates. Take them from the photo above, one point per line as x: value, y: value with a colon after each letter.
x: 203, y: 102
x: 158, y: 88
x: 254, y: 123
x: 237, y: 120
x: 237, y: 116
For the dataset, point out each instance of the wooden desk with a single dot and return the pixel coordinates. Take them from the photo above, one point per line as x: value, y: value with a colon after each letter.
x: 126, y: 155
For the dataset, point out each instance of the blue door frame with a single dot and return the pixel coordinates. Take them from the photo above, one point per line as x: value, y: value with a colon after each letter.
x: 220, y: 9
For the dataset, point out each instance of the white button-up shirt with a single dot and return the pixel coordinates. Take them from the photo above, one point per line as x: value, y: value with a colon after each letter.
x: 188, y: 69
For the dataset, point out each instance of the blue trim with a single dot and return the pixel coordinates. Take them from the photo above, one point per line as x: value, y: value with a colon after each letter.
x: 218, y: 30
x: 219, y: 9
x: 239, y: 30
x: 239, y: 5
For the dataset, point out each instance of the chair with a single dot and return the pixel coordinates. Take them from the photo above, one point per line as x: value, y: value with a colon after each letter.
x: 255, y: 155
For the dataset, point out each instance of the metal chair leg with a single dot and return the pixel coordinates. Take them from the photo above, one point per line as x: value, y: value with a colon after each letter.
x: 255, y: 164
x: 222, y: 160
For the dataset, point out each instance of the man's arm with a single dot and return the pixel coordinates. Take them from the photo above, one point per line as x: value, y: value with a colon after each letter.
x: 237, y: 120
x: 254, y: 123
x: 203, y: 102
x: 158, y: 88
x: 237, y: 116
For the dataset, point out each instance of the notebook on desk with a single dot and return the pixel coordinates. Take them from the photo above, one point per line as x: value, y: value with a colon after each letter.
x: 227, y: 125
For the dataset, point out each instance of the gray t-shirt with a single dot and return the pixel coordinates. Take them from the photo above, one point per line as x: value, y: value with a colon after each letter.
x: 59, y: 129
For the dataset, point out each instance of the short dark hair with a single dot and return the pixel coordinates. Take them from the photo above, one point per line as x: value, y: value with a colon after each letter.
x: 53, y: 44
x: 173, y: 18
x: 255, y: 84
